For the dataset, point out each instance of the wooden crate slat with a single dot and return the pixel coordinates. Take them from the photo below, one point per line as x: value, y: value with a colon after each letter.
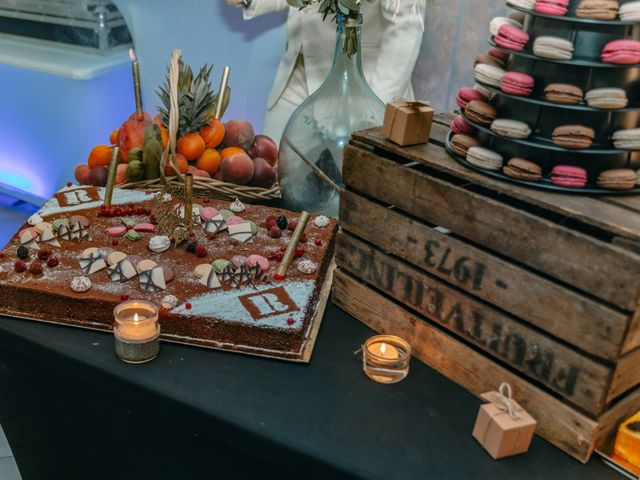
x: 612, y: 216
x: 581, y: 380
x: 561, y: 425
x: 630, y: 202
x: 626, y: 374
x: 577, y: 319
x: 559, y: 252
x: 632, y: 340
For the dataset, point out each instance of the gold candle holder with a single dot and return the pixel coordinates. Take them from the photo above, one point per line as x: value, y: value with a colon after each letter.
x: 111, y: 178
x: 135, y: 68
x: 291, y: 248
x: 188, y: 202
x: 385, y: 358
x: 136, y: 331
x: 223, y: 87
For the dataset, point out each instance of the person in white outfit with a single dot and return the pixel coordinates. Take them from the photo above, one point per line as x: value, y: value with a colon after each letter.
x: 391, y: 39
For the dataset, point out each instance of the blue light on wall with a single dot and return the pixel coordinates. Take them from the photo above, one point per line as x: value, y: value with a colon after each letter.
x: 21, y: 180
x: 51, y: 123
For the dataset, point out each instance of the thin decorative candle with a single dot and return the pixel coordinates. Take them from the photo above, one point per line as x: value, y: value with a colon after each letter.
x: 135, y: 67
x: 111, y: 178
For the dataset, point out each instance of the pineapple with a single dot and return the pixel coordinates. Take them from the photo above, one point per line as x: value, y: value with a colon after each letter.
x: 196, y: 101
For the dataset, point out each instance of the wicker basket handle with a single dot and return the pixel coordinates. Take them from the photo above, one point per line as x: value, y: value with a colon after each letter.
x: 174, y: 118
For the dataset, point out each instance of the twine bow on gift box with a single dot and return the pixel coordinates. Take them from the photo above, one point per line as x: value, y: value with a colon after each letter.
x: 503, y: 400
x: 413, y: 104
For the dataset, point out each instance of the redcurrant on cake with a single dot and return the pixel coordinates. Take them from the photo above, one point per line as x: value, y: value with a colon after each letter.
x: 213, y: 279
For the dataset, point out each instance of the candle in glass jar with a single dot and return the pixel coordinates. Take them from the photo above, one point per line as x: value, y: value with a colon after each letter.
x: 136, y: 320
x: 386, y: 358
x: 137, y: 327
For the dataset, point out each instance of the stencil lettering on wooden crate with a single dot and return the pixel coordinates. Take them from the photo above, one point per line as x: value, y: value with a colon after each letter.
x: 463, y: 269
x: 264, y: 304
x: 444, y: 307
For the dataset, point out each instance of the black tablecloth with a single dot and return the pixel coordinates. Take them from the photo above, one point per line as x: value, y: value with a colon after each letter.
x: 70, y: 409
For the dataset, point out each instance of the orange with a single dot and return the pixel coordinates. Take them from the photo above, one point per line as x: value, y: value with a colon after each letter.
x: 165, y: 136
x: 209, y: 161
x: 213, y: 133
x: 227, y: 152
x: 100, y: 155
x: 182, y: 163
x: 113, y: 138
x: 191, y: 146
x: 163, y: 131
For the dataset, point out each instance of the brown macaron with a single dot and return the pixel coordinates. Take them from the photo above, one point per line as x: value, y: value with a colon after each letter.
x: 522, y: 169
x: 519, y: 17
x: 489, y: 60
x: 617, y: 179
x: 563, y: 93
x: 460, y: 144
x: 480, y: 112
x: 574, y: 137
x: 598, y: 9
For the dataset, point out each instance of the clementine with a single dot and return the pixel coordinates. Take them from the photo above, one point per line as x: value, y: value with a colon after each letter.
x: 227, y: 152
x: 100, y: 156
x: 209, y: 161
x: 191, y: 146
x: 113, y: 138
x: 213, y: 133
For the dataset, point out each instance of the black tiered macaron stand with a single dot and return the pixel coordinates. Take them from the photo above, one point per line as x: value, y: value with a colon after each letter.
x: 586, y: 71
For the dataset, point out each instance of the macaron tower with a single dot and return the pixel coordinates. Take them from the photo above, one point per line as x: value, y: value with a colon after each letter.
x: 556, y: 98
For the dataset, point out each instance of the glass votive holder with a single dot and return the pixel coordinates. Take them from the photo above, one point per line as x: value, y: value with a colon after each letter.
x: 136, y: 331
x: 385, y: 358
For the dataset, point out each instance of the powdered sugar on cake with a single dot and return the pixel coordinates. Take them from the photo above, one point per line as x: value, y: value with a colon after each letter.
x: 78, y: 198
x: 281, y: 305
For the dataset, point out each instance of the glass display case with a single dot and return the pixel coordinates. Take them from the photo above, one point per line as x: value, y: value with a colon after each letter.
x: 86, y: 24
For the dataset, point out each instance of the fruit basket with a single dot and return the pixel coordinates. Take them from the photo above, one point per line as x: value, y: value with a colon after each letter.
x: 227, y: 160
x: 585, y: 71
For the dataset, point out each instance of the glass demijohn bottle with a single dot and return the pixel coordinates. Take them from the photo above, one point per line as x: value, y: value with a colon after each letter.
x: 310, y: 160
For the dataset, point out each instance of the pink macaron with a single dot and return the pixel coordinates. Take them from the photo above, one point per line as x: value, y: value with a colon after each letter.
x: 466, y: 95
x: 557, y: 8
x: 516, y: 83
x: 621, y: 52
x: 460, y: 125
x: 568, y: 176
x: 499, y: 54
x: 512, y: 38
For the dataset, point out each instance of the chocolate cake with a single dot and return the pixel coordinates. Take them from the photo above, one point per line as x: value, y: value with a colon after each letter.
x: 216, y: 288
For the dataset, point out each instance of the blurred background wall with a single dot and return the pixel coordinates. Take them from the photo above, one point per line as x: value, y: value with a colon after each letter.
x: 50, y: 118
x: 455, y: 32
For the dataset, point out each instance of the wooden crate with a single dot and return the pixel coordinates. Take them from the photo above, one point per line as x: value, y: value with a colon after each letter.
x: 536, y: 288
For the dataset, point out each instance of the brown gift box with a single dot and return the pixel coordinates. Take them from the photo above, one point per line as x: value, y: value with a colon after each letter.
x: 407, y: 122
x: 503, y: 427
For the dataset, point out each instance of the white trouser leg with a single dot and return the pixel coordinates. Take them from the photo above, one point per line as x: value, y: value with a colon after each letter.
x: 293, y: 95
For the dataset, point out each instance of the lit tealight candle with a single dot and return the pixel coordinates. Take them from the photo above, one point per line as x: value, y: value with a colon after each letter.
x: 136, y: 331
x: 384, y: 350
x: 386, y: 358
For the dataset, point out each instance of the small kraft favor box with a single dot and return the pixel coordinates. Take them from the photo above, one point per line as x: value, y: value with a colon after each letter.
x: 407, y: 122
x: 503, y: 427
